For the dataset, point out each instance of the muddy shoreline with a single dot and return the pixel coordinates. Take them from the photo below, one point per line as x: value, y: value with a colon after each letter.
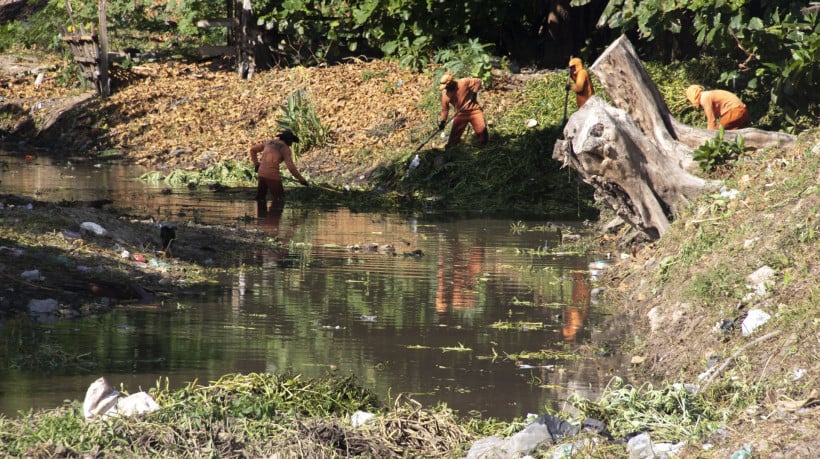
x: 86, y: 272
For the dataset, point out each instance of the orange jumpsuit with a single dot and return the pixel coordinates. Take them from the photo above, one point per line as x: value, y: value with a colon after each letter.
x: 723, y: 106
x: 582, y: 86
x: 274, y: 152
x: 467, y: 110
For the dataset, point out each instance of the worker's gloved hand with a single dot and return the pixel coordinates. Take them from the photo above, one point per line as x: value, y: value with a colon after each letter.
x: 303, y: 182
x: 569, y: 85
x: 256, y: 168
x: 441, y: 125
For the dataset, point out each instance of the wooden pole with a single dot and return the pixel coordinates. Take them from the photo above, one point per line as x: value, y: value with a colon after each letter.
x: 104, y: 87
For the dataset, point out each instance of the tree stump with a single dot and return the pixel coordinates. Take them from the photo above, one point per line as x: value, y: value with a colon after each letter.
x: 636, y: 155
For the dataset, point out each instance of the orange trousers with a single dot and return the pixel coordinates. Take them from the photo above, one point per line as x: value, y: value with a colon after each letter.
x: 735, y: 118
x: 476, y: 119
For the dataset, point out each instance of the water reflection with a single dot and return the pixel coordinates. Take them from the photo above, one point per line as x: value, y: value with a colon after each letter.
x: 460, y: 310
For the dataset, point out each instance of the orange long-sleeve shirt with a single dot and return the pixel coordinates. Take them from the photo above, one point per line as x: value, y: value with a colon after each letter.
x: 717, y: 103
x: 582, y: 86
x: 460, y: 96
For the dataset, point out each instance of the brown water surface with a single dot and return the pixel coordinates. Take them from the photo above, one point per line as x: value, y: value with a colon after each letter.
x: 490, y: 317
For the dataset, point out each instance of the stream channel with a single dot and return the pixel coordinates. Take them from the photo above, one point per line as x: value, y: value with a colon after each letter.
x: 490, y: 319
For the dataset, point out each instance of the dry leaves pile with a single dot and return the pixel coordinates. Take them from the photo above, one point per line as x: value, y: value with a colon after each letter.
x: 182, y: 114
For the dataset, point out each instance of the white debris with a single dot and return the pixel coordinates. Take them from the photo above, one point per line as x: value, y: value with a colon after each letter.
x: 753, y: 320
x: 360, y: 418
x: 32, y: 275
x: 47, y: 306
x: 94, y: 228
x: 101, y: 401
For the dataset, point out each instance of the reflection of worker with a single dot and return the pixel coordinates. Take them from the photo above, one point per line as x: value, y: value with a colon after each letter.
x: 456, y: 282
x: 272, y: 217
x: 581, y: 84
x: 462, y: 94
x: 576, y: 313
x: 274, y: 152
x: 721, y: 107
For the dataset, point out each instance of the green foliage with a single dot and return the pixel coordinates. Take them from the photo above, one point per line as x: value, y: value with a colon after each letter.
x: 299, y: 116
x: 466, y: 59
x: 717, y: 152
x: 40, y: 30
x: 227, y: 172
x: 772, y: 44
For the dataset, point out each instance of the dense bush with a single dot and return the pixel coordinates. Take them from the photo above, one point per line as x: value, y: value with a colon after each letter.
x: 765, y: 47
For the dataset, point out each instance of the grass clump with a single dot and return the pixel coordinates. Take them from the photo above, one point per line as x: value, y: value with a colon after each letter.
x: 672, y: 413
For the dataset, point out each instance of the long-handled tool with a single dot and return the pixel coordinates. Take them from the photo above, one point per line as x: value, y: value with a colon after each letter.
x: 566, y: 99
x: 440, y: 129
x: 315, y: 185
x: 414, y: 162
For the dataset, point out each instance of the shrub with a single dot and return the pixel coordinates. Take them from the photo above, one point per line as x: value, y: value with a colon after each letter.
x: 716, y: 152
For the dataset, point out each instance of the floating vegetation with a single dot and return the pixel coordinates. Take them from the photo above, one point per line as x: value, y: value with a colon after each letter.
x: 228, y: 172
x: 50, y: 356
x: 523, y: 326
x: 459, y: 348
x: 543, y: 354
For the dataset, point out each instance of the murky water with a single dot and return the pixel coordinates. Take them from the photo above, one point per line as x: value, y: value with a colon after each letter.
x: 486, y: 319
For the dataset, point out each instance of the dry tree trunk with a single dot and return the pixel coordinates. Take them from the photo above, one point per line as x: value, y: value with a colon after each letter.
x: 637, y: 156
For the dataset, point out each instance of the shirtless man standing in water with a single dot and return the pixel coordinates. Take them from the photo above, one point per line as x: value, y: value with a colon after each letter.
x: 273, y: 153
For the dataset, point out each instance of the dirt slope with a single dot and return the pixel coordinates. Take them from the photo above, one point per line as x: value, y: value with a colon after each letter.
x: 190, y: 115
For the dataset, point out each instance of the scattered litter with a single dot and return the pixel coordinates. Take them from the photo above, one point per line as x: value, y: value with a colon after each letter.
x: 524, y: 366
x: 360, y: 418
x: 15, y: 252
x: 763, y: 275
x: 70, y: 235
x: 753, y: 320
x: 47, y: 306
x: 154, y: 263
x: 102, y: 401
x: 641, y: 446
x: 32, y: 275
x: 94, y: 228
x: 531, y: 123
x: 730, y: 194
x: 743, y: 453
x: 365, y: 318
x: 568, y: 450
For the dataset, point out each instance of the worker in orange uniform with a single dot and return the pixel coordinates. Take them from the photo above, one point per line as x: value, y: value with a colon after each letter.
x: 462, y: 93
x: 721, y: 107
x: 581, y: 84
x: 274, y: 152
